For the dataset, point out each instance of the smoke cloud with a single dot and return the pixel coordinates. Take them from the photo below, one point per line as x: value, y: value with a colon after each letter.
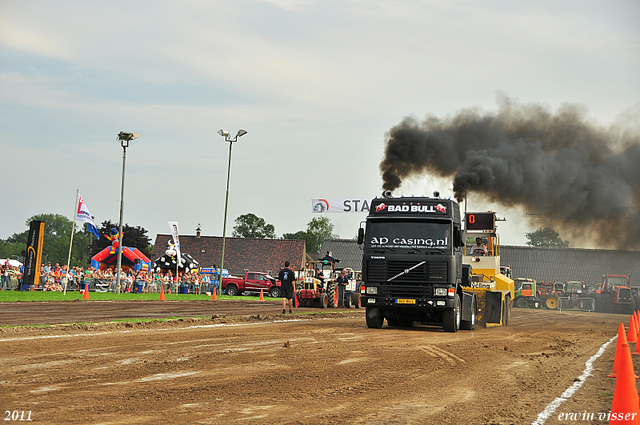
x: 584, y: 179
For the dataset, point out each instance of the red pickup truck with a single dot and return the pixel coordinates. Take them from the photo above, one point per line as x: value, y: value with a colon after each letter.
x: 252, y: 282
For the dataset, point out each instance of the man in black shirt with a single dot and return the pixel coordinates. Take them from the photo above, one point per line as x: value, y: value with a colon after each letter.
x: 287, y: 279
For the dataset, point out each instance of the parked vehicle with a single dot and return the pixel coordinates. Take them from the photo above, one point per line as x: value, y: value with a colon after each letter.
x: 613, y: 295
x: 252, y: 282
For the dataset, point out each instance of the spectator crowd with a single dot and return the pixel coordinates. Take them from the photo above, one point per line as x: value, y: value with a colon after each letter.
x: 54, y: 278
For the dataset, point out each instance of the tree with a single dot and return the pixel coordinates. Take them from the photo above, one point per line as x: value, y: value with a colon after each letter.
x: 133, y: 237
x: 546, y: 238
x: 55, y: 245
x: 318, y: 229
x: 251, y: 226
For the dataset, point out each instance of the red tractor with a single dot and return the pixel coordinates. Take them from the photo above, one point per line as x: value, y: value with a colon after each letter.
x: 613, y: 295
x: 547, y: 295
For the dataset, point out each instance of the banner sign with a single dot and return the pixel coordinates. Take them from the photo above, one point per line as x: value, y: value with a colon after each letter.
x: 340, y: 205
x: 176, y: 240
x: 33, y: 257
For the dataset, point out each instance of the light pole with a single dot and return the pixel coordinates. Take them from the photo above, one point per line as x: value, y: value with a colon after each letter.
x: 125, y: 140
x: 227, y: 138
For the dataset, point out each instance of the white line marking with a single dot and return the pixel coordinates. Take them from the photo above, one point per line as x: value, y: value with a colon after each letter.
x: 566, y: 395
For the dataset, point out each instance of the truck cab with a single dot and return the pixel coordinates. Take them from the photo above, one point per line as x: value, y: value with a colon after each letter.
x: 412, y: 264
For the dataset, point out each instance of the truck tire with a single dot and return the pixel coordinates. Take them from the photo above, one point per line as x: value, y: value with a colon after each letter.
x: 331, y: 294
x: 232, y: 290
x: 324, y: 301
x: 374, y: 318
x: 355, y: 300
x: 597, y: 303
x: 607, y: 303
x: 506, y: 311
x: 521, y: 302
x: 451, y: 318
x: 274, y: 292
x: 470, y: 325
x: 551, y: 303
x: 347, y: 301
x: 631, y: 307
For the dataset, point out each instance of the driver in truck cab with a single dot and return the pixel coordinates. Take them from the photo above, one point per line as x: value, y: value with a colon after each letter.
x: 479, y: 248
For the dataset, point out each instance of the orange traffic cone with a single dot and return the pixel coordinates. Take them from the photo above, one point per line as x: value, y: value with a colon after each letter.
x: 632, y: 335
x: 261, y: 296
x: 162, y: 293
x: 214, y: 297
x: 622, y: 339
x: 85, y: 295
x: 624, y: 408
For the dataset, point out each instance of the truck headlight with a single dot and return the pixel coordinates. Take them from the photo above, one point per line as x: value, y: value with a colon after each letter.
x: 441, y: 292
x: 372, y: 290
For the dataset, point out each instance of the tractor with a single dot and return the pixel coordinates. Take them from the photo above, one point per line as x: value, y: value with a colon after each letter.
x: 613, y: 295
x: 526, y: 293
x: 574, y: 297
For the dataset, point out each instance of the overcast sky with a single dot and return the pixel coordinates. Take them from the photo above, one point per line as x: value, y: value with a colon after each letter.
x: 316, y: 84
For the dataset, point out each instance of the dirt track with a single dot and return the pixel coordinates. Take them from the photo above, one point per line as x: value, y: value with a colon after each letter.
x: 260, y: 367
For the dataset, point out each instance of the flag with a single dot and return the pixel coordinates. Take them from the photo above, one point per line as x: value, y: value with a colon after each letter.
x: 176, y: 240
x: 83, y: 215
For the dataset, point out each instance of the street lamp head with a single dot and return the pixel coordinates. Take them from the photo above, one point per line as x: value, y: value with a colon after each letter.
x: 223, y: 133
x: 126, y: 138
x: 241, y: 133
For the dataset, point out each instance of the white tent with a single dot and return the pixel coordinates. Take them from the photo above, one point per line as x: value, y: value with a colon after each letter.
x: 12, y: 263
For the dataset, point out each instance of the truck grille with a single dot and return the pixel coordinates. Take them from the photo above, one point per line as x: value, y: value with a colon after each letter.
x: 434, y: 272
x: 624, y: 294
x: 396, y: 291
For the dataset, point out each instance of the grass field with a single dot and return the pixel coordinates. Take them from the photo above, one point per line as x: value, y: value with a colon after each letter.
x: 15, y: 296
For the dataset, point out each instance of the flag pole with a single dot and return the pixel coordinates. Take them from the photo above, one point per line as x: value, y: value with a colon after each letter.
x: 73, y: 228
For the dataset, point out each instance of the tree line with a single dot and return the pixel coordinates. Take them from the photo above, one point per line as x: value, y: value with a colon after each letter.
x: 57, y: 236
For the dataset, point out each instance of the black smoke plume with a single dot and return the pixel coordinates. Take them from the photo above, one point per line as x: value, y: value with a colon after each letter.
x: 584, y: 179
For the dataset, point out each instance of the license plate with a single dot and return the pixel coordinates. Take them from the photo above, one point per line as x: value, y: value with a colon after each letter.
x: 405, y: 301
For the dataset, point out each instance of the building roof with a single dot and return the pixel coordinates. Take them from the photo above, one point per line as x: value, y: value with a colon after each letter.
x: 560, y: 264
x: 542, y: 264
x: 240, y: 254
x: 345, y: 250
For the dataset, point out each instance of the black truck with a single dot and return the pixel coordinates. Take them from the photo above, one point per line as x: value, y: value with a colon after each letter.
x: 412, y: 265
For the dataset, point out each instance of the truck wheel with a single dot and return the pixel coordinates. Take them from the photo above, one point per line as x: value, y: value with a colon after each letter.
x: 232, y: 290
x: 607, y: 303
x: 597, y: 302
x: 470, y: 325
x: 274, y: 292
x: 506, y: 311
x: 331, y: 294
x: 324, y: 301
x: 451, y: 318
x: 551, y: 303
x: 520, y: 302
x: 632, y: 307
x: 347, y: 301
x: 355, y: 300
x: 374, y: 318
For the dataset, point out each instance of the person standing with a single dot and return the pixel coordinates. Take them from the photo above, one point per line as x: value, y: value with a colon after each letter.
x: 343, y: 281
x: 287, y: 279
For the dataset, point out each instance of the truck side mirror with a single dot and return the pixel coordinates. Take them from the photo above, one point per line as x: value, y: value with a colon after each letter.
x: 460, y: 237
x: 360, y: 236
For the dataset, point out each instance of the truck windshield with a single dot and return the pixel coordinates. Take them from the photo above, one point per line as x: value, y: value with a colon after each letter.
x: 408, y: 234
x: 617, y: 280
